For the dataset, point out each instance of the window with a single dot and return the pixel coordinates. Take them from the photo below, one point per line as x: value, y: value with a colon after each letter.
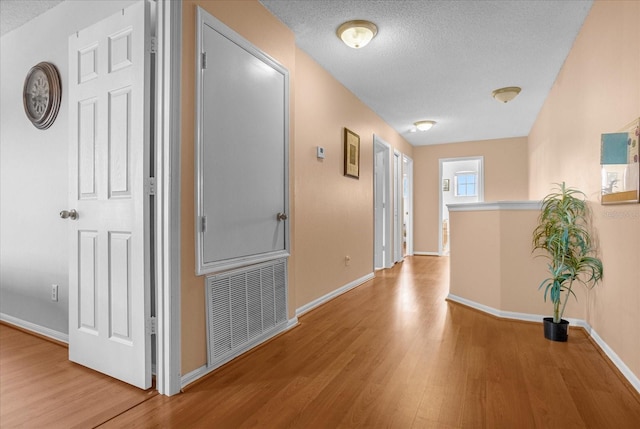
x: 466, y: 184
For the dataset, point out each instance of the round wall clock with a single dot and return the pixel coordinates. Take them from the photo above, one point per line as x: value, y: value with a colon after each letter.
x: 42, y: 94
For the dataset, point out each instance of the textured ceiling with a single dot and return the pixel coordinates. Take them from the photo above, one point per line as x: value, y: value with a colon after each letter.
x: 440, y: 60
x: 14, y: 13
x: 436, y: 60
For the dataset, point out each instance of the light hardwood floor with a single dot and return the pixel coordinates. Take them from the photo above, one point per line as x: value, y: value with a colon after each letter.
x: 393, y: 353
x: 40, y: 388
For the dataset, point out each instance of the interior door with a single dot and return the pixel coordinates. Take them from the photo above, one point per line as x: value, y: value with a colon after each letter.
x: 109, y: 203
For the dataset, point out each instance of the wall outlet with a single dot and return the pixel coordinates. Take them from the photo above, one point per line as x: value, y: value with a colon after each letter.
x: 54, y: 293
x: 347, y: 261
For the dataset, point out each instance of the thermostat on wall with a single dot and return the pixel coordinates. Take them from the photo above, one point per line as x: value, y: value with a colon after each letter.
x: 320, y: 152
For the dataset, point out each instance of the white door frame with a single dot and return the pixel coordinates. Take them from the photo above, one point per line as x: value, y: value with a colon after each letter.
x: 408, y: 208
x: 167, y: 198
x: 398, y: 207
x: 441, y: 162
x: 382, y: 239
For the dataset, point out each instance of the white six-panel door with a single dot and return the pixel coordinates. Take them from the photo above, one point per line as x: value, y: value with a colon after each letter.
x: 109, y: 170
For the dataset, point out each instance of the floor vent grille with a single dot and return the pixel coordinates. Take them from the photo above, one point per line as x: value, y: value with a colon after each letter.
x: 245, y: 307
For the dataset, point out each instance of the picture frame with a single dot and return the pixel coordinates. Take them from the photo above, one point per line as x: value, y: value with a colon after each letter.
x: 445, y: 185
x: 351, y: 154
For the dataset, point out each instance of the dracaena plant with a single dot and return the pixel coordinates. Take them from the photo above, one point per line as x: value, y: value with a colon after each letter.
x: 563, y: 233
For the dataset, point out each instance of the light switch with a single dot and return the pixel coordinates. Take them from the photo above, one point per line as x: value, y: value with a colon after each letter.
x: 320, y: 152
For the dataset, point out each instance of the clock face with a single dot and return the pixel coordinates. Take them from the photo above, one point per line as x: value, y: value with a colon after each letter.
x: 42, y: 94
x: 37, y: 94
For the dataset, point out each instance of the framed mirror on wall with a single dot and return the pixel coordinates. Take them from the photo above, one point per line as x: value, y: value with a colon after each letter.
x: 620, y: 165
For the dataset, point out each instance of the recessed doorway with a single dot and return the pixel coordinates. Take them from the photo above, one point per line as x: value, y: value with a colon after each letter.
x: 461, y: 181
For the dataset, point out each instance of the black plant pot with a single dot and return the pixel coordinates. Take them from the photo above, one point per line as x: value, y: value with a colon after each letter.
x: 555, y: 331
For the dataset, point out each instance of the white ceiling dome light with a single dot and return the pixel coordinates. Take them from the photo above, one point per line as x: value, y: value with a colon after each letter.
x: 424, y: 125
x: 357, y: 34
x: 504, y: 95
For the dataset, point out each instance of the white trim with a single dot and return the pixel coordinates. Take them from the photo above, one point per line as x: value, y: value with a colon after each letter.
x: 408, y: 162
x: 204, y: 370
x: 480, y: 195
x: 619, y: 363
x: 194, y: 375
x: 331, y: 295
x: 32, y: 327
x: 379, y: 145
x: 615, y: 359
x: 167, y: 201
x: 496, y: 205
x: 426, y: 254
x: 398, y: 207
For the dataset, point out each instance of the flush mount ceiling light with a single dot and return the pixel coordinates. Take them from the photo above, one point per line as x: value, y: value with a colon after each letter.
x: 357, y: 34
x: 507, y: 94
x: 424, y: 125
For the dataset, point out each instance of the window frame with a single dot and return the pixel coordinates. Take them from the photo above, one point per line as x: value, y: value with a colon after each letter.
x: 457, y: 184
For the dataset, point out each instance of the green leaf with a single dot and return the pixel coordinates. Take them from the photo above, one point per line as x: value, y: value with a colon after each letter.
x: 563, y: 235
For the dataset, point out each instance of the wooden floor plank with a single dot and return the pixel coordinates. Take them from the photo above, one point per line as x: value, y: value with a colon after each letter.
x: 392, y: 353
x: 40, y: 388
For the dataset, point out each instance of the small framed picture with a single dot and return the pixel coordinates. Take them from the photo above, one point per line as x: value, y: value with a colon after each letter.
x: 445, y: 185
x: 351, y: 154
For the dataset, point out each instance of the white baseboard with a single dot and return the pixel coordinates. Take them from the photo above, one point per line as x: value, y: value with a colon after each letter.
x: 192, y: 376
x: 197, y: 373
x: 624, y: 369
x: 426, y: 254
x: 331, y: 295
x: 41, y: 330
x: 615, y: 359
x: 204, y: 370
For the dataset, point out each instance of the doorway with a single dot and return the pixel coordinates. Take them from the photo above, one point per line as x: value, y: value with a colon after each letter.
x: 160, y: 186
x: 461, y: 182
x: 398, y: 208
x: 381, y: 199
x: 407, y: 197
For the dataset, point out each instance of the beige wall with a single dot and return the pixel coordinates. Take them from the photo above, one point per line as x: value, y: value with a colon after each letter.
x: 598, y: 91
x: 334, y: 213
x: 505, y: 174
x: 474, y: 263
x: 256, y: 24
x: 331, y: 215
x: 492, y: 263
x: 522, y: 272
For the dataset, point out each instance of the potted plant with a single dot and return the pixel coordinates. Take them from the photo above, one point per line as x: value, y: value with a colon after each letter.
x: 563, y: 232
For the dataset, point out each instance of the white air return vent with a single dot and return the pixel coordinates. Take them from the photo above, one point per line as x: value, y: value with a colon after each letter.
x: 244, y: 308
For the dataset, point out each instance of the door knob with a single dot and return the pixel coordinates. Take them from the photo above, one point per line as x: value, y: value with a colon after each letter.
x: 281, y: 216
x: 71, y: 214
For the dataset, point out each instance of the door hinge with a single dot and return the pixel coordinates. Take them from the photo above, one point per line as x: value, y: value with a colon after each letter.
x: 204, y: 60
x: 203, y: 223
x: 152, y: 326
x: 151, y: 186
x: 154, y: 45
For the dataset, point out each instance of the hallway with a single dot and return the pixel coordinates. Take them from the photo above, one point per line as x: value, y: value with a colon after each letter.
x: 391, y: 353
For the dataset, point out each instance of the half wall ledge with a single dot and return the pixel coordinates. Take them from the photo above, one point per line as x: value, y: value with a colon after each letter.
x: 491, y: 261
